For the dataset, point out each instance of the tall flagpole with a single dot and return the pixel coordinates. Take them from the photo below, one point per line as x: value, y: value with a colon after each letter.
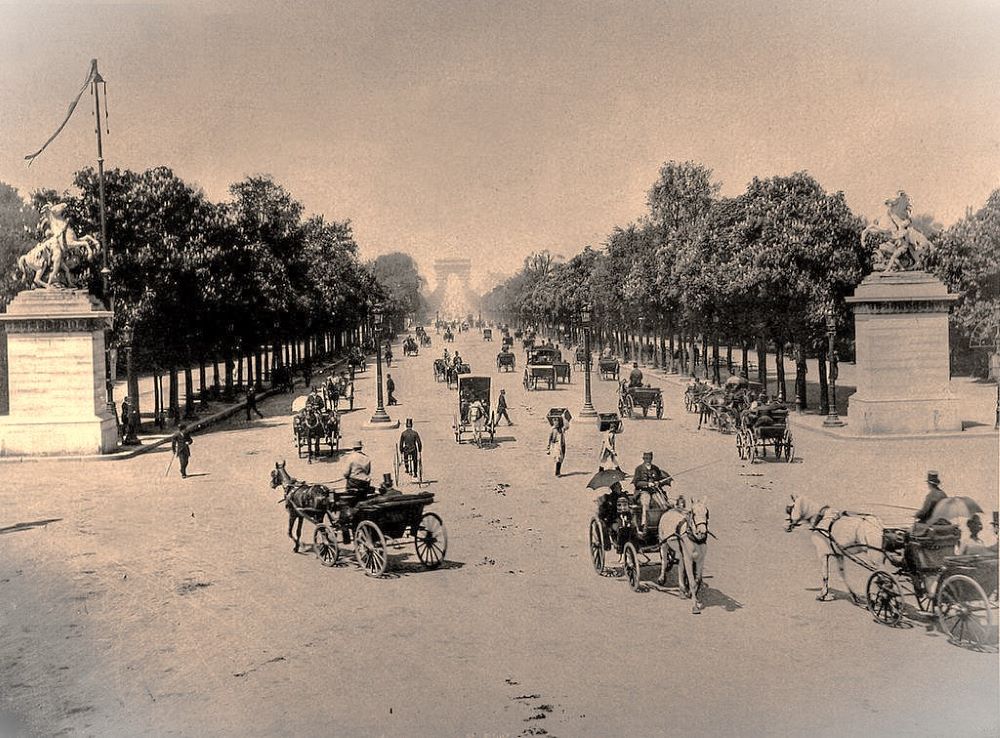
x: 97, y: 80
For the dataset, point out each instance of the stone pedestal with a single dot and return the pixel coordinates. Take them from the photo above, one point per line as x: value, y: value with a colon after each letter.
x: 56, y: 376
x: 902, y: 345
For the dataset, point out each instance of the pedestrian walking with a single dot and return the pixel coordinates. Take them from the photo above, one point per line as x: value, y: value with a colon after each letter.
x: 126, y: 418
x: 410, y: 447
x: 180, y: 443
x: 390, y: 387
x: 557, y: 438
x: 502, y: 407
x: 388, y: 354
x: 252, y: 403
x: 609, y: 454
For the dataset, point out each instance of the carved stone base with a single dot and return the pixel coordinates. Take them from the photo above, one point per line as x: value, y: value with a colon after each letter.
x: 56, y: 376
x: 907, y: 416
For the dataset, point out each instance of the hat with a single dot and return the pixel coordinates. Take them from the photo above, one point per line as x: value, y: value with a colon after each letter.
x: 358, y: 444
x: 387, y: 479
x: 409, y: 422
x: 647, y: 455
x: 933, y: 478
x: 502, y: 391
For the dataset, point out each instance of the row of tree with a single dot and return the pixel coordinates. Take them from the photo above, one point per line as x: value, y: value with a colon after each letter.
x: 765, y: 271
x: 195, y: 282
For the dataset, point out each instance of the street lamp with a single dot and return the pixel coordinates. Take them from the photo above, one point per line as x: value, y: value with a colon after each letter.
x: 381, y: 418
x: 588, y: 410
x: 642, y: 347
x: 832, y: 420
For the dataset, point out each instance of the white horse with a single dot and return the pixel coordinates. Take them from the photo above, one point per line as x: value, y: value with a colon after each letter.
x: 477, y: 416
x: 834, y: 533
x: 60, y: 250
x: 906, y: 246
x: 683, y: 536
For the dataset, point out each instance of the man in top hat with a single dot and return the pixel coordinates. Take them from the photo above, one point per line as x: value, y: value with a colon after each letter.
x: 358, y: 471
x: 180, y: 444
x: 649, y: 481
x: 410, y: 447
x: 635, y: 376
x: 387, y: 488
x: 934, y: 495
x: 390, y: 388
x: 502, y: 407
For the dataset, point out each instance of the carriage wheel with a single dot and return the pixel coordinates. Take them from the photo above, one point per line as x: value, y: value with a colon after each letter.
x: 884, y: 598
x: 659, y: 409
x: 963, y: 612
x: 325, y: 545
x: 369, y: 548
x: 741, y: 444
x: 632, y: 566
x: 431, y: 541
x: 597, y: 545
x: 789, y: 446
x: 526, y: 379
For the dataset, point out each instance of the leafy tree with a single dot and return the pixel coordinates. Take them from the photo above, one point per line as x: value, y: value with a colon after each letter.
x: 18, y: 224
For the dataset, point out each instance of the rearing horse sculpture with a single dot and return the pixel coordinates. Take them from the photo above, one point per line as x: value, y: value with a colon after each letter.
x: 906, y: 245
x: 60, y: 249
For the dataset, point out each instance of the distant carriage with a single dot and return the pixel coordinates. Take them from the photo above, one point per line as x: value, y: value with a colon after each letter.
x: 609, y: 367
x: 449, y: 337
x: 410, y: 347
x: 440, y: 370
x: 539, y: 374
x: 487, y: 334
x: 314, y: 428
x: 645, y: 398
x: 580, y: 358
x: 454, y: 372
x: 474, y: 416
x: 505, y: 361
x: 556, y: 370
x: 760, y: 432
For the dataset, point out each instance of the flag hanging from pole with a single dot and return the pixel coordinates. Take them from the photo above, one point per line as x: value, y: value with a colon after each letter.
x: 91, y: 76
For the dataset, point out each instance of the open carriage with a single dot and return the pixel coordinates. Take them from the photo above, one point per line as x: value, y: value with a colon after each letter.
x: 357, y: 360
x: 474, y: 417
x: 580, y: 358
x: 410, y: 347
x: 455, y: 372
x: 487, y: 334
x: 543, y: 375
x: 762, y: 430
x: 609, y: 367
x: 505, y: 361
x: 646, y: 398
x: 448, y: 336
x: 313, y: 429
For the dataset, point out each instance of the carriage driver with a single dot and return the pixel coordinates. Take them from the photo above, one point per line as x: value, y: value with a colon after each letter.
x: 649, y: 480
x: 635, y: 376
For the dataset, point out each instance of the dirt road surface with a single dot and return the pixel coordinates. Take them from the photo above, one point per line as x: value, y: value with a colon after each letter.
x: 134, y: 604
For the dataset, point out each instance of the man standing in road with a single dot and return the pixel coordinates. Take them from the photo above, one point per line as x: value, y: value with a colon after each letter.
x: 390, y: 387
x: 502, y: 407
x: 649, y: 481
x: 180, y: 444
x: 410, y: 447
x: 557, y: 438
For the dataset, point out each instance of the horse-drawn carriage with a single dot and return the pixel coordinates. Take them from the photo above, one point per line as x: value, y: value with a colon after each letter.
x: 580, y: 358
x: 505, y: 361
x: 679, y: 534
x: 410, y: 347
x: 723, y: 409
x: 693, y: 394
x: 449, y: 337
x: 764, y: 428
x: 357, y: 360
x: 454, y: 373
x: 609, y: 367
x: 539, y: 374
x: 644, y: 397
x: 440, y: 370
x: 474, y: 415
x: 372, y: 520
x: 550, y: 356
x: 313, y: 428
x: 487, y: 334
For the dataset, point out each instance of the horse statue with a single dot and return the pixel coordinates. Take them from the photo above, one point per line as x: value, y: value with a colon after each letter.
x: 60, y: 251
x: 906, y: 247
x: 683, y: 535
x: 834, y: 533
x: 301, y: 500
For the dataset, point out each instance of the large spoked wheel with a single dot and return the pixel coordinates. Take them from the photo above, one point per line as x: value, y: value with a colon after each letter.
x: 597, y: 545
x: 884, y: 598
x: 431, y: 541
x: 632, y: 566
x: 325, y: 545
x: 369, y: 548
x: 964, y: 614
x: 789, y: 446
x: 741, y: 444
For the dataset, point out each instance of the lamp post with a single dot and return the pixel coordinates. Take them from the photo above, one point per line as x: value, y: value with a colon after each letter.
x: 642, y: 338
x: 381, y: 418
x: 588, y: 410
x: 832, y: 420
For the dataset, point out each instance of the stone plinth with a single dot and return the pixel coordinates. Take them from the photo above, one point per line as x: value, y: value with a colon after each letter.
x: 902, y: 345
x: 56, y: 376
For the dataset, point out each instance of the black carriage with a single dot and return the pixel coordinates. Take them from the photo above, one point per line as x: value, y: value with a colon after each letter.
x: 313, y: 429
x: 453, y: 374
x: 580, y: 358
x: 487, y: 334
x: 374, y: 523
x: 410, y: 347
x: 609, y: 367
x: 762, y: 430
x: 470, y: 418
x: 960, y: 592
x: 539, y: 374
x: 449, y: 337
x: 693, y: 395
x: 505, y: 361
x: 643, y: 397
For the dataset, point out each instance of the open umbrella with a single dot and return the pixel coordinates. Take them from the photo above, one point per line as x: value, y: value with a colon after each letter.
x: 606, y: 477
x: 955, y: 507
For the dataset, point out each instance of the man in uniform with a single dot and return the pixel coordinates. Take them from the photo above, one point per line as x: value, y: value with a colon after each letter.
x: 502, y: 407
x: 635, y: 376
x: 180, y: 443
x: 410, y: 447
x: 649, y: 480
x: 358, y: 471
x: 934, y: 495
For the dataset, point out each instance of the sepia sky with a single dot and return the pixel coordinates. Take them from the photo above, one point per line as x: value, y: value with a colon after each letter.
x: 497, y: 128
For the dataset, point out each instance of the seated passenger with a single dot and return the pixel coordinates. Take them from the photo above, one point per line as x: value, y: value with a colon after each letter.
x: 635, y: 376
x: 649, y: 481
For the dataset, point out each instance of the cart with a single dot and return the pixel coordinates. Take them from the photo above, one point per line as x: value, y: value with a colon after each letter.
x: 608, y: 367
x: 454, y: 374
x: 487, y: 334
x: 471, y: 389
x: 505, y: 361
x: 643, y: 397
x: 539, y: 374
x: 754, y: 438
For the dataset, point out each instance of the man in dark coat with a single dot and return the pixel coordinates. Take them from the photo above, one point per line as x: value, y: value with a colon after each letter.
x: 635, y: 376
x: 410, y: 447
x: 649, y: 481
x: 390, y: 387
x: 934, y: 495
x: 502, y: 407
x: 180, y: 443
x: 252, y: 403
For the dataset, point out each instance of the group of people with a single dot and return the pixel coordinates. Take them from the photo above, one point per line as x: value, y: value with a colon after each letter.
x: 648, y: 481
x: 358, y: 465
x: 972, y: 539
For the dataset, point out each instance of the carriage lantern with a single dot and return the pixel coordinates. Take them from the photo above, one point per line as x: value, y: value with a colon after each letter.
x: 832, y: 419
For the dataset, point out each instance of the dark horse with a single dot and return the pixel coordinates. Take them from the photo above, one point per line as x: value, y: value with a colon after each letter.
x: 301, y: 500
x: 315, y: 427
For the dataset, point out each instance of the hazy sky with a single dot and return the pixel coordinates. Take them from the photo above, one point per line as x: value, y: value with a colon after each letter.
x: 497, y: 128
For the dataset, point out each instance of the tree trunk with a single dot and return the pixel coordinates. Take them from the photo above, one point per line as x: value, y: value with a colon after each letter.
x: 258, y: 363
x: 671, y: 348
x: 715, y: 361
x: 824, y: 388
x: 216, y: 384
x: 188, y: 390
x: 157, y: 400
x: 174, y: 395
x: 801, y: 368
x: 132, y: 379
x: 202, y: 381
x: 228, y: 392
x: 780, y: 362
x: 762, y: 363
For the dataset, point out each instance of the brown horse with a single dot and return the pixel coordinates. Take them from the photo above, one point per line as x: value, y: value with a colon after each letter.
x: 301, y: 500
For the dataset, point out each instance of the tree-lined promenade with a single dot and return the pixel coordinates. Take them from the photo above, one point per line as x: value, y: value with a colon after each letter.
x: 764, y: 272
x: 239, y: 292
